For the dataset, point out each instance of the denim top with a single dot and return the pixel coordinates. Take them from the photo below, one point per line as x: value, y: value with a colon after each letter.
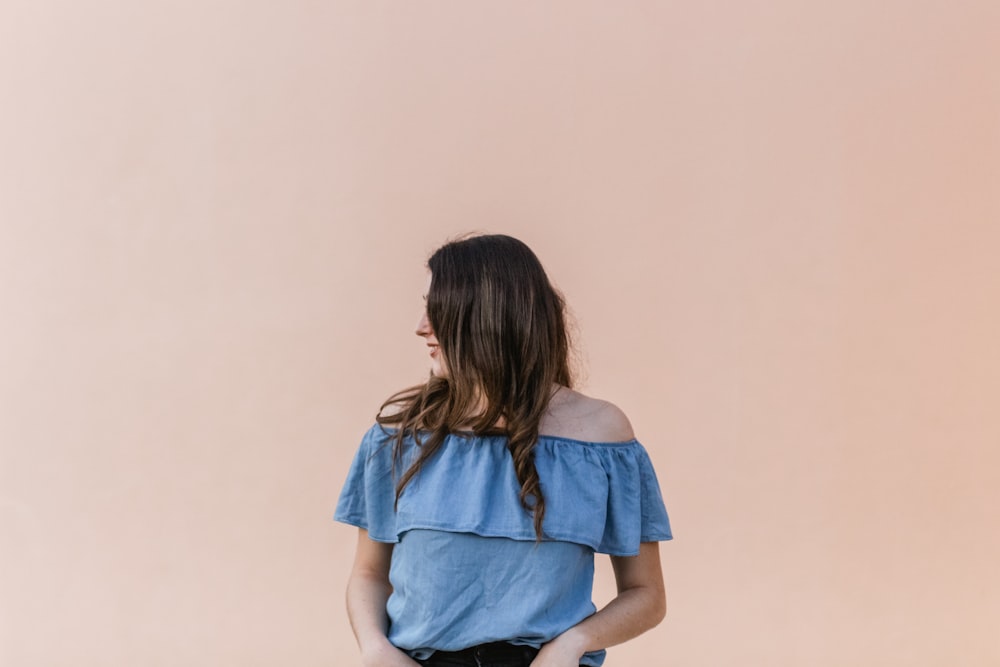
x: 465, y: 568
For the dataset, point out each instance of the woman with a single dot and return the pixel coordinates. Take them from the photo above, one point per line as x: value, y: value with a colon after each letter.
x: 482, y: 495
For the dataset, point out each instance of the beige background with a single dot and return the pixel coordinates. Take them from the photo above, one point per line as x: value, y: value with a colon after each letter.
x: 777, y: 224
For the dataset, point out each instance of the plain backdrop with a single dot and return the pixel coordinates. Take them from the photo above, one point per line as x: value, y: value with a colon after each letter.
x: 777, y: 225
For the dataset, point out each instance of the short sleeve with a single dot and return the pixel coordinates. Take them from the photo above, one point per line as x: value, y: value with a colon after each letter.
x: 636, y: 511
x: 602, y: 495
x: 368, y: 496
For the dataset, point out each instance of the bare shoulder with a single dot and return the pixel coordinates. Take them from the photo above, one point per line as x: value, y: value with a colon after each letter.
x: 581, y: 417
x: 613, y: 422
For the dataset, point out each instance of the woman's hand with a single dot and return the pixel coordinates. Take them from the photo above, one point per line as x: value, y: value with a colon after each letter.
x: 563, y: 651
x: 387, y: 655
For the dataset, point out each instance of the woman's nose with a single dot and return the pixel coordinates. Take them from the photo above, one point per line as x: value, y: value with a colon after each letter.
x: 423, y: 326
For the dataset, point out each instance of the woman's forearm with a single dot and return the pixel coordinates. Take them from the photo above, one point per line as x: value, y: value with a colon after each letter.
x: 366, y: 597
x: 641, y: 603
x: 368, y: 589
x: 631, y: 613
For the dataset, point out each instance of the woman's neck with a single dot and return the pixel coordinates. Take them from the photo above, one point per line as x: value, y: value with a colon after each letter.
x: 500, y: 424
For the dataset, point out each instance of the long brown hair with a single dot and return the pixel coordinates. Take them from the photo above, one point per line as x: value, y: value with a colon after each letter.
x: 501, y: 328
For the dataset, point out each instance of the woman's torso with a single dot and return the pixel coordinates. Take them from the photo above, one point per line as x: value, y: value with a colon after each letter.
x: 466, y: 568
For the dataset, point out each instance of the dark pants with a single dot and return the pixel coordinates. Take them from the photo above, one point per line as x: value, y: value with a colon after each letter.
x: 497, y: 654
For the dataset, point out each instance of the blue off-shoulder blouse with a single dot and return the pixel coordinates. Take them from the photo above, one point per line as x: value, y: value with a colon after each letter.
x: 466, y: 568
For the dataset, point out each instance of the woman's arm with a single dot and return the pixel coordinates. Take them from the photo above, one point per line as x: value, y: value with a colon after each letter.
x: 641, y: 603
x: 368, y: 589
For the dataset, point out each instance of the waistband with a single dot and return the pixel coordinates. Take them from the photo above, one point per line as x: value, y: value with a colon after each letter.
x: 483, y: 654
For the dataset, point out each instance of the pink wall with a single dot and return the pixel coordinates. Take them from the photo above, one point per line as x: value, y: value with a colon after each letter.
x: 777, y: 224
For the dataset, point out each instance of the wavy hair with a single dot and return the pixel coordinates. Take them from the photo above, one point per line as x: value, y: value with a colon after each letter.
x: 501, y: 328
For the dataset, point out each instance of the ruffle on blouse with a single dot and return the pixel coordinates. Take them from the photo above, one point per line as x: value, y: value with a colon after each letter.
x: 602, y: 495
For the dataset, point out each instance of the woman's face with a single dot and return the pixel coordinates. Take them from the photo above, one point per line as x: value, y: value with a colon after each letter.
x: 425, y: 331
